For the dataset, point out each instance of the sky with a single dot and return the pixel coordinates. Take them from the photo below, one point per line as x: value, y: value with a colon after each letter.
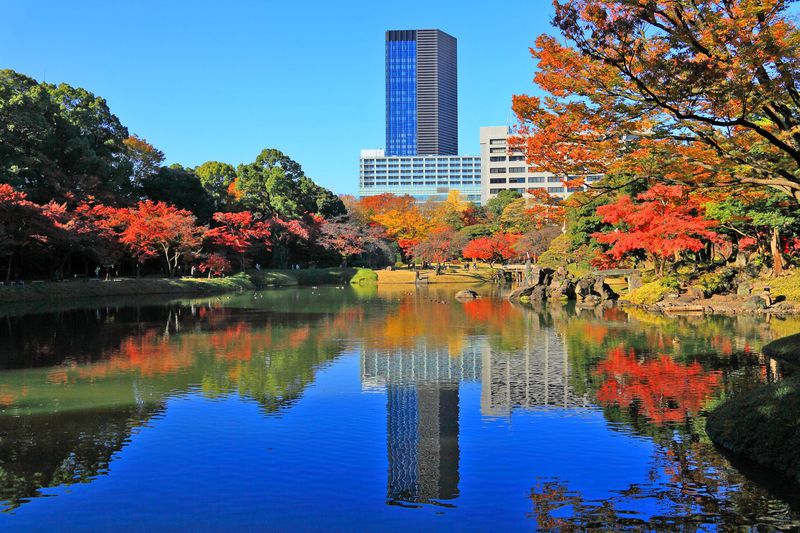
x: 221, y: 80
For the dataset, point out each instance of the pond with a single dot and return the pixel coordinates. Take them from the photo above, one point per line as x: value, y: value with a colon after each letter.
x: 374, y: 409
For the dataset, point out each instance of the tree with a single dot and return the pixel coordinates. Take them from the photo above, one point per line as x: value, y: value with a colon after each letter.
x: 239, y: 233
x: 756, y: 218
x: 153, y: 229
x: 59, y: 141
x: 348, y: 238
x: 496, y: 205
x: 180, y: 187
x: 440, y: 245
x: 215, y: 265
x: 23, y: 225
x: 216, y: 178
x: 319, y: 200
x: 691, y: 92
x: 537, y: 241
x: 145, y: 161
x: 270, y: 184
x: 665, y: 222
x: 497, y: 248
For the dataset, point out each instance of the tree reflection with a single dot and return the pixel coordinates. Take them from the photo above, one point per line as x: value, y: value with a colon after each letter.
x: 663, y: 389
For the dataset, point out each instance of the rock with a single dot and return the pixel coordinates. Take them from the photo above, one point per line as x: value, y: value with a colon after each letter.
x: 695, y: 293
x: 754, y: 303
x: 466, y: 294
x: 744, y: 288
x: 538, y: 294
x: 634, y: 281
x: 388, y: 269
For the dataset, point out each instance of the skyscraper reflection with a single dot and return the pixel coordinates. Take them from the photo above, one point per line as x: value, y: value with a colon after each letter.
x: 422, y: 389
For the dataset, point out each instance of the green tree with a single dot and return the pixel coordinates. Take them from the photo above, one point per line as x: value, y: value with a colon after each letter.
x: 216, y: 178
x: 59, y: 141
x: 145, y: 160
x: 181, y: 188
x: 496, y: 205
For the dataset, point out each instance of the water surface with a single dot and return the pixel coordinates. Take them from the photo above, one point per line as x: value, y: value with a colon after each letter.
x: 376, y: 409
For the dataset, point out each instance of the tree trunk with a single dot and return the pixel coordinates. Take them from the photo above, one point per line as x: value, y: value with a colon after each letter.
x: 8, y: 269
x: 777, y: 256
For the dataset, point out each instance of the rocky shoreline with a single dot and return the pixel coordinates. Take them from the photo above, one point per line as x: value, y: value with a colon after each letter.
x: 556, y: 285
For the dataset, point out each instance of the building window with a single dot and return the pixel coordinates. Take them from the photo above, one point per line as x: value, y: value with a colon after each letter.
x: 536, y: 179
x: 497, y: 180
x: 497, y: 171
x: 516, y: 170
x: 516, y: 180
x: 497, y: 141
x: 553, y: 179
x: 494, y: 191
x: 555, y: 189
x: 516, y: 158
x: 497, y: 150
x: 497, y: 158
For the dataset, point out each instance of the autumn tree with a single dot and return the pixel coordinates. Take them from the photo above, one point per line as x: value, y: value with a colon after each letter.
x: 494, y: 249
x: 23, y: 225
x: 690, y: 92
x: 349, y: 238
x: 239, y: 232
x: 537, y: 241
x: 155, y: 229
x: 662, y: 223
x: 440, y: 245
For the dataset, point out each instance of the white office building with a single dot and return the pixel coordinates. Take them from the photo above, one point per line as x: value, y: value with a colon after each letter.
x: 425, y: 177
x: 502, y: 169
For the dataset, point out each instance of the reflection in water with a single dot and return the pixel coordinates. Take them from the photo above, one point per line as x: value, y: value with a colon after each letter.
x: 75, y: 386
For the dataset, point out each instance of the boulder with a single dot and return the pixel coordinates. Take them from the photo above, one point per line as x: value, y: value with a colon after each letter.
x: 466, y: 294
x: 754, y: 303
x: 745, y: 288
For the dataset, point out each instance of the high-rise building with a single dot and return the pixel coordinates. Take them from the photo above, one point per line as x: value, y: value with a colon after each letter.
x: 503, y: 169
x: 421, y: 93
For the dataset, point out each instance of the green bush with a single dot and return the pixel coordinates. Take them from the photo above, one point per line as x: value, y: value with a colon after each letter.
x: 650, y: 293
x: 364, y: 276
x: 717, y: 282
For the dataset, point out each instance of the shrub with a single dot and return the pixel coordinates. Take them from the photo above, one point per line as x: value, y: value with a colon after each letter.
x: 650, y: 293
x: 717, y: 282
x: 364, y: 276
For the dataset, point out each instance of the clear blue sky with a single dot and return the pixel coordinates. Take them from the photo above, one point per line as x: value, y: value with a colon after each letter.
x: 221, y: 80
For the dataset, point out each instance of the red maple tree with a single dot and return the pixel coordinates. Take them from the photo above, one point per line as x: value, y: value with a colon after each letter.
x: 153, y: 229
x: 239, y: 232
x: 664, y: 222
x: 496, y: 248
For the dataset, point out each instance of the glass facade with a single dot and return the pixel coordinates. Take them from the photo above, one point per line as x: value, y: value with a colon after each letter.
x: 401, y: 94
x: 423, y: 177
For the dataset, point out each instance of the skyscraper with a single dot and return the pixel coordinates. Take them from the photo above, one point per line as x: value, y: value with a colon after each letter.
x: 421, y: 93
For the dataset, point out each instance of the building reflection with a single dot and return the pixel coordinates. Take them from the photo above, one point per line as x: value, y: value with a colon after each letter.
x: 422, y: 407
x: 536, y: 376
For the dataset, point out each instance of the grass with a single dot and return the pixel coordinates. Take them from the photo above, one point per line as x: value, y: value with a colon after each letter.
x: 458, y: 276
x: 123, y: 287
x: 787, y: 285
x: 762, y: 425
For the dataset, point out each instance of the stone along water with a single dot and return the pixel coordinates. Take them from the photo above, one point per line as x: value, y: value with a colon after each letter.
x: 375, y: 409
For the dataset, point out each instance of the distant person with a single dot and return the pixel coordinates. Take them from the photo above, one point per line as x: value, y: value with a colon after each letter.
x: 97, y: 272
x: 258, y: 267
x: 192, y: 271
